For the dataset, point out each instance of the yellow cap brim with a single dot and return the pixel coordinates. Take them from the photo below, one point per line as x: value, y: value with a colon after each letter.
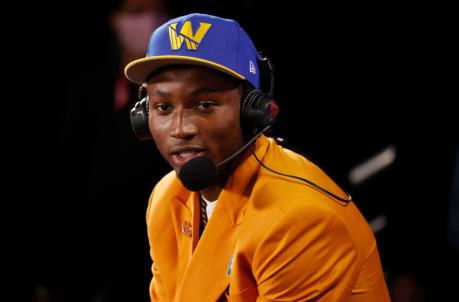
x: 137, y: 71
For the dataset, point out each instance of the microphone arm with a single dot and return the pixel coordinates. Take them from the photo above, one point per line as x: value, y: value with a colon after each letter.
x: 243, y: 147
x: 199, y: 172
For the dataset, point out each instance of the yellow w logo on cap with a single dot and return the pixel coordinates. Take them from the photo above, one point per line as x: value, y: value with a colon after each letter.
x: 186, y: 34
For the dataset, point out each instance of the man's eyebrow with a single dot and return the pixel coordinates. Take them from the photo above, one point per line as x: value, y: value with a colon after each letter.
x: 205, y: 89
x: 159, y: 92
x: 198, y: 91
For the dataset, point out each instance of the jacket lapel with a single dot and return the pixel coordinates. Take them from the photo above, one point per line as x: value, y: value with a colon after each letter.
x: 207, y: 275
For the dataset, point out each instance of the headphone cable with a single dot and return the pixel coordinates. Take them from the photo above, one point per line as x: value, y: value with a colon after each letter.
x: 321, y: 189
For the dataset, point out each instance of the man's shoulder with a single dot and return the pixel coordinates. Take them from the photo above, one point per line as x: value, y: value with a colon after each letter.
x: 293, y: 180
x: 286, y: 194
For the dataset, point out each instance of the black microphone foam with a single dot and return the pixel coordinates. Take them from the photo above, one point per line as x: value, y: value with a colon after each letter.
x: 198, y: 173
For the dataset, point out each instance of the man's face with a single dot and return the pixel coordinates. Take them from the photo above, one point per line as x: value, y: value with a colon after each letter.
x: 194, y: 111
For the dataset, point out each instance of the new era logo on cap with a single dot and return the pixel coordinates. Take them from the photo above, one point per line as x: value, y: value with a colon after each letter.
x: 199, y: 39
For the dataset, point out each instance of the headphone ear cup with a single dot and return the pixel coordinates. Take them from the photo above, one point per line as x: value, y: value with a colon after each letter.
x: 139, y: 120
x: 258, y: 111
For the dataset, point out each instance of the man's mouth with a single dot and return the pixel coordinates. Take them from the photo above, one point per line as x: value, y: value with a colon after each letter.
x: 180, y: 157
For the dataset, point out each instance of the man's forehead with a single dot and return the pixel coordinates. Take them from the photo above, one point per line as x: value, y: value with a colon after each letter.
x: 201, y: 77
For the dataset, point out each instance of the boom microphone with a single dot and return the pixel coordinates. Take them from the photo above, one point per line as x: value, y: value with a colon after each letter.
x: 198, y: 173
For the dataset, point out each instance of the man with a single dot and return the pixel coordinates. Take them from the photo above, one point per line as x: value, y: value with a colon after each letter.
x: 237, y: 227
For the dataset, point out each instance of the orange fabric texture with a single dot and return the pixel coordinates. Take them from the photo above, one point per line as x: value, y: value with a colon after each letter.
x: 270, y: 238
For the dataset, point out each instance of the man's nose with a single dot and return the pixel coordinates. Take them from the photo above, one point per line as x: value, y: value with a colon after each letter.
x: 183, y: 126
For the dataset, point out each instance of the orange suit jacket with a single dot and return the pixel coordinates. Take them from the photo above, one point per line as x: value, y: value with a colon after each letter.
x: 270, y: 238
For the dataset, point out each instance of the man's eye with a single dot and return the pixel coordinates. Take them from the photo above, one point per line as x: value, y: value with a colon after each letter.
x: 206, y: 105
x: 163, y: 107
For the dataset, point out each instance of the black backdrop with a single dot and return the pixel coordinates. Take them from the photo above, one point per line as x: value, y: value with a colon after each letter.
x: 351, y: 79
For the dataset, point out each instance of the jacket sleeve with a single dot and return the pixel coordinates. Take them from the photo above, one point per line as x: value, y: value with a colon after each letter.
x: 307, y: 255
x: 157, y: 293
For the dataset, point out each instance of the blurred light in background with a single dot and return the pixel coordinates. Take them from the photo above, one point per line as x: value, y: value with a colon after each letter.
x: 372, y: 166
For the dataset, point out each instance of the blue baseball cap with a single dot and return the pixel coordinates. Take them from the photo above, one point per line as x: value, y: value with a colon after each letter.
x: 199, y: 39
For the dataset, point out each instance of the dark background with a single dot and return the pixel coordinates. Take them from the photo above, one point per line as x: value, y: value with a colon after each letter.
x: 351, y: 79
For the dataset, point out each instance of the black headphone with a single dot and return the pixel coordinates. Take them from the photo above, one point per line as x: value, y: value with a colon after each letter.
x: 258, y: 109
